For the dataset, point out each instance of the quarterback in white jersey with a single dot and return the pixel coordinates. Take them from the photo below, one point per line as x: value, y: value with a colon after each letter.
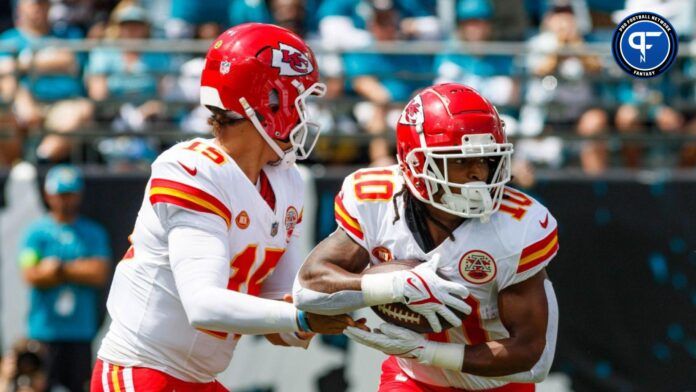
x: 214, y: 249
x: 446, y: 203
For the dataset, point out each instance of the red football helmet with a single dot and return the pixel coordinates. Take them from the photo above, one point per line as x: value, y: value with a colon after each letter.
x: 265, y: 73
x: 453, y: 121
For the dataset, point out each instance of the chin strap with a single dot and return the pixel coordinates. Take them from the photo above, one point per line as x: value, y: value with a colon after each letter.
x: 287, y: 158
x: 475, y: 198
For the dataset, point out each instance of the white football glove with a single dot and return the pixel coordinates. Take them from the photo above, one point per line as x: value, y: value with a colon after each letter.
x: 404, y: 343
x: 297, y: 339
x: 421, y: 289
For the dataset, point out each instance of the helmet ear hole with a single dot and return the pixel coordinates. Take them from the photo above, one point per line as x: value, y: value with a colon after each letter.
x: 274, y: 100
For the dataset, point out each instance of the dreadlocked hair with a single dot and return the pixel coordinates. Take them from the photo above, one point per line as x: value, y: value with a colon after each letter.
x: 219, y: 119
x: 419, y: 210
x: 401, y: 193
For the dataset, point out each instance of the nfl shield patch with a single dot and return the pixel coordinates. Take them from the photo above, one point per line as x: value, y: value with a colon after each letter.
x: 225, y: 67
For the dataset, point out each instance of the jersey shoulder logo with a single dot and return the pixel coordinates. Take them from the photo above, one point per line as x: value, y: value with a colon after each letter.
x: 477, y: 267
x: 291, y: 61
x: 545, y: 223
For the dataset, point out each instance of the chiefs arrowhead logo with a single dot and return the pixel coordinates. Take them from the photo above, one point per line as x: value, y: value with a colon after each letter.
x: 413, y: 112
x: 291, y: 61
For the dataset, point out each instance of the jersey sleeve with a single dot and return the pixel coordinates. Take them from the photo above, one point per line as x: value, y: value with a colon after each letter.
x: 539, y: 246
x: 182, y: 192
x: 346, y: 212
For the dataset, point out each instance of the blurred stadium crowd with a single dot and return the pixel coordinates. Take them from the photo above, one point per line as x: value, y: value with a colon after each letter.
x: 546, y: 65
x: 78, y: 83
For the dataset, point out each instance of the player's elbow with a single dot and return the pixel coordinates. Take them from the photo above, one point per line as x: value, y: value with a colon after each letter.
x: 198, y: 317
x: 302, y: 297
x: 535, y: 351
x: 538, y: 360
x: 198, y: 312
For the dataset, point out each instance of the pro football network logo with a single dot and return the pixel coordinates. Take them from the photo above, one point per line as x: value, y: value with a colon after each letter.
x: 291, y: 61
x: 477, y: 267
x: 645, y: 45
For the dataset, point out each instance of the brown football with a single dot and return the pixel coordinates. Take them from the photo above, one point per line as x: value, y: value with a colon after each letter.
x: 398, y: 313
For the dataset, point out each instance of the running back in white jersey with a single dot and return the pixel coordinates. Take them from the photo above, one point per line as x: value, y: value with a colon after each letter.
x: 518, y: 242
x: 196, y: 184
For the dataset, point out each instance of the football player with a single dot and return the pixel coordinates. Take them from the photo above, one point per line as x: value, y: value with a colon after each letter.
x: 446, y: 202
x: 215, y: 248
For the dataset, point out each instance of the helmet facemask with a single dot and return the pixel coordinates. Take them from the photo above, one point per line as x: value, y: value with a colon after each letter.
x: 303, y: 136
x: 477, y: 199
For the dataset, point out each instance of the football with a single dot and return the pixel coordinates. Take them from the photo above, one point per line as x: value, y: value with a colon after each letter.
x: 398, y: 313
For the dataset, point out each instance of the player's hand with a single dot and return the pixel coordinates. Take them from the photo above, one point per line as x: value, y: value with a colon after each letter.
x: 401, y: 342
x: 307, y: 336
x: 391, y: 340
x: 424, y: 292
x: 333, y: 325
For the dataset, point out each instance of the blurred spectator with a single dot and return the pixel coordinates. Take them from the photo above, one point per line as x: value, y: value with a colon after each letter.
x: 510, y: 20
x: 186, y: 86
x: 187, y: 15
x: 80, y: 14
x: 560, y: 93
x: 489, y: 74
x: 687, y: 155
x: 21, y: 368
x: 642, y: 103
x: 126, y: 75
x: 49, y: 88
x: 64, y: 257
x: 132, y: 77
x: 343, y: 23
x: 5, y: 15
x: 386, y: 81
x: 11, y: 139
x: 290, y: 14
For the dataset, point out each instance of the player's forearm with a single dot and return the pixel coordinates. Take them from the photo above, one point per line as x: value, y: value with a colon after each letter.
x: 200, y: 266
x: 229, y: 311
x: 327, y: 277
x: 329, y: 295
x: 502, y: 357
x: 329, y: 282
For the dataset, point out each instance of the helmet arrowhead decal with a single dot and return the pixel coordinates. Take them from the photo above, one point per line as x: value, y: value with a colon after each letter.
x: 291, y: 61
x: 413, y: 112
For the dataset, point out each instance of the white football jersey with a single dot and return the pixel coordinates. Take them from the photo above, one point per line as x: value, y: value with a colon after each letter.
x: 518, y: 241
x: 198, y: 185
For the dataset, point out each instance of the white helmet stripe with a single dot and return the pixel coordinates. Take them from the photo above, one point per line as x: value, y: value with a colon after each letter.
x: 211, y: 97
